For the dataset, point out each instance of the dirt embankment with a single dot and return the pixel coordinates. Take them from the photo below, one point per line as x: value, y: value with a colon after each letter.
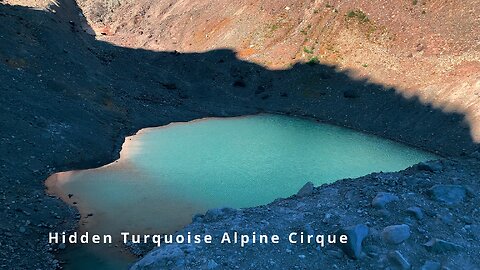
x: 69, y: 99
x: 426, y: 48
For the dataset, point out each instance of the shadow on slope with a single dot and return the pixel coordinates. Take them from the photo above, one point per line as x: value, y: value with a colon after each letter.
x: 68, y: 100
x: 87, y: 80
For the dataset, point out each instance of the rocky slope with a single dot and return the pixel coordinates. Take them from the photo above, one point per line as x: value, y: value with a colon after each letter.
x: 426, y: 48
x: 69, y: 99
x: 425, y: 217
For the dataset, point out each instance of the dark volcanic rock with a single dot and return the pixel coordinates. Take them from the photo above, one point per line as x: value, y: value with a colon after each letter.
x: 398, y: 261
x: 382, y: 199
x: 307, y: 189
x: 436, y: 245
x: 449, y: 194
x: 416, y: 212
x: 396, y: 234
x: 355, y: 234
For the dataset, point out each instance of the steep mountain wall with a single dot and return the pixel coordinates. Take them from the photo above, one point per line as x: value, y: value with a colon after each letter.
x: 426, y: 48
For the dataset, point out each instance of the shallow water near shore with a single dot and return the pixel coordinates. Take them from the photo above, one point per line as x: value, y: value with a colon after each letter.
x: 166, y: 175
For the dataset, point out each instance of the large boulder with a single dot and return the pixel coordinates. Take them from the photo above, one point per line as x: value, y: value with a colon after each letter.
x: 355, y: 234
x: 449, y: 194
x: 396, y: 234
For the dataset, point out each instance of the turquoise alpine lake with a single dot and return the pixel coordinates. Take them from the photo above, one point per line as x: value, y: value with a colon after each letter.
x: 166, y: 175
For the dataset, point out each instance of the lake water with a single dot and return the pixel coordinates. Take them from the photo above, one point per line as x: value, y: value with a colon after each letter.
x: 166, y: 175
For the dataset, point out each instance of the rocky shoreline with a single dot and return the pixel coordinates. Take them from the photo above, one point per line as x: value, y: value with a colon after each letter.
x: 424, y: 217
x: 68, y: 101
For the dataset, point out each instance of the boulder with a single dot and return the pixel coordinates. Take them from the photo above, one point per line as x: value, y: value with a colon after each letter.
x: 307, y: 189
x: 449, y: 194
x: 436, y: 245
x: 430, y: 166
x: 382, y: 199
x: 355, y: 234
x: 396, y: 234
x: 416, y: 212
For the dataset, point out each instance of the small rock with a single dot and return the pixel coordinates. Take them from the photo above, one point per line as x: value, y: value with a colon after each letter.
x: 383, y: 198
x: 62, y: 246
x: 449, y: 194
x: 307, y: 189
x: 416, y: 212
x: 397, y: 259
x: 212, y: 264
x: 447, y: 218
x: 420, y: 47
x: 355, y: 234
x: 436, y: 245
x: 22, y: 229
x: 396, y: 234
x: 431, y: 265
